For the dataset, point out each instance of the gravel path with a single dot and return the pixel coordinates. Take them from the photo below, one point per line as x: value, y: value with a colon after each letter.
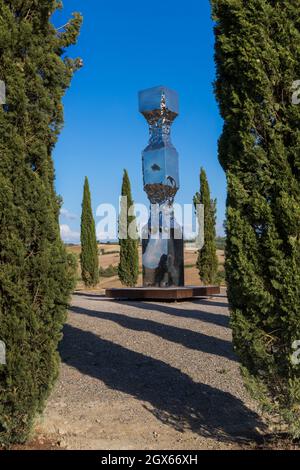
x: 144, y: 375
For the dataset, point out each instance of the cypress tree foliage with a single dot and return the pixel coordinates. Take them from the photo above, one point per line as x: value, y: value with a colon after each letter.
x: 207, y: 261
x: 128, y: 269
x: 36, y: 274
x: 89, y: 247
x: 258, y: 59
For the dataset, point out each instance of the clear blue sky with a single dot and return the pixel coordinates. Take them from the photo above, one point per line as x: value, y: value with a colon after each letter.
x: 126, y: 47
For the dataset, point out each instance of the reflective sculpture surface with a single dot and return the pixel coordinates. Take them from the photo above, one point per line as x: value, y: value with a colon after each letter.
x: 162, y: 238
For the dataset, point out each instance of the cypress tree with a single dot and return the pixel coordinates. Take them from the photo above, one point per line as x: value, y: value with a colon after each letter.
x: 128, y: 269
x: 207, y: 261
x: 258, y: 59
x: 36, y: 274
x: 89, y: 247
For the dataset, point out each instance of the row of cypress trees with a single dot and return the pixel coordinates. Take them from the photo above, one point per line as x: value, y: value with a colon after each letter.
x: 128, y: 269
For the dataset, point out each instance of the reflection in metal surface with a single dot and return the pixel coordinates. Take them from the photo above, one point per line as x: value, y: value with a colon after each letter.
x: 163, y: 247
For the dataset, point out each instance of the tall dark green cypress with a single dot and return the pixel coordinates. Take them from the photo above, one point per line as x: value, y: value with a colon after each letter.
x: 258, y: 59
x: 129, y: 257
x: 36, y: 274
x: 89, y: 247
x: 207, y: 261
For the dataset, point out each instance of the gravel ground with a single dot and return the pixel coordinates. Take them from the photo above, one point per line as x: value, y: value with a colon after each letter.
x: 145, y: 375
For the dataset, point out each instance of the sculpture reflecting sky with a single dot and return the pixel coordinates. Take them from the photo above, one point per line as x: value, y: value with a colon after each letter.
x: 163, y: 245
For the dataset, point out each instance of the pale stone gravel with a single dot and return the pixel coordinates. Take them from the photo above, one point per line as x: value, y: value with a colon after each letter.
x: 146, y: 375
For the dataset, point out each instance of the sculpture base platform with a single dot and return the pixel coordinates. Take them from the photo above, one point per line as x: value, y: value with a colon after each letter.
x: 169, y: 294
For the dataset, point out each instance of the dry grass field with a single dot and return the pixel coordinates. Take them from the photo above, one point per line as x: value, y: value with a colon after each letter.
x: 109, y: 256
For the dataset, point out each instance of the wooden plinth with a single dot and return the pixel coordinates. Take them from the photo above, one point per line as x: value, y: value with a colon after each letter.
x: 162, y: 293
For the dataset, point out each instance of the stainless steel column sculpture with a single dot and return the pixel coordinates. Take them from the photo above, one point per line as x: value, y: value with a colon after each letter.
x: 163, y: 264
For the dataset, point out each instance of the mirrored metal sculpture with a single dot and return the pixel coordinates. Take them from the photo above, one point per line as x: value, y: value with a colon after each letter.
x: 163, y: 264
x: 162, y: 237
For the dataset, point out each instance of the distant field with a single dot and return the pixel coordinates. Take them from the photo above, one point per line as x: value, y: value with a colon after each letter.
x: 110, y: 257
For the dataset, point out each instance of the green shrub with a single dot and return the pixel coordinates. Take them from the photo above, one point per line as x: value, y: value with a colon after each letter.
x: 221, y: 278
x: 109, y: 272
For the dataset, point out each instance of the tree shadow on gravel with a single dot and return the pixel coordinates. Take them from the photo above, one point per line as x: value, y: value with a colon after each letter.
x: 89, y: 295
x: 218, y: 319
x: 188, y: 338
x: 172, y: 396
x: 209, y: 303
